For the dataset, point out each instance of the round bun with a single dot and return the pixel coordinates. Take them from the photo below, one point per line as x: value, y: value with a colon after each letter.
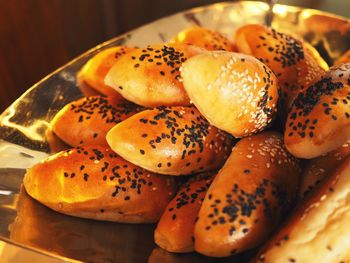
x: 150, y: 76
x: 93, y: 73
x: 248, y: 197
x: 205, y: 38
x: 288, y: 57
x: 316, y: 170
x: 86, y: 121
x: 319, y: 120
x: 96, y: 183
x: 319, y: 230
x: 345, y: 58
x: 235, y: 92
x: 175, y: 228
x: 170, y: 140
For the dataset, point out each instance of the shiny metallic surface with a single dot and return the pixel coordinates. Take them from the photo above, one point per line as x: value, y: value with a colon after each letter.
x: 24, y: 137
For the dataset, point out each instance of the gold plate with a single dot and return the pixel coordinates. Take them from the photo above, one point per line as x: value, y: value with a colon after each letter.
x: 24, y: 124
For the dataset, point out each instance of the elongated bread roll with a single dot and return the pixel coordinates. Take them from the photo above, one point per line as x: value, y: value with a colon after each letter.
x: 93, y: 73
x: 205, y: 38
x: 318, y: 169
x: 294, y: 65
x: 170, y: 140
x: 87, y: 120
x: 319, y: 231
x: 150, y: 76
x: 235, y: 92
x: 175, y: 228
x: 319, y: 120
x: 96, y: 183
x: 248, y: 197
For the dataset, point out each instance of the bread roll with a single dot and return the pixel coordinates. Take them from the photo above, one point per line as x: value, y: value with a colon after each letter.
x: 96, y: 183
x: 319, y: 120
x: 175, y: 228
x: 205, y: 38
x: 170, y: 140
x: 86, y: 121
x: 235, y: 92
x: 150, y: 76
x: 319, y: 231
x: 345, y: 58
x: 248, y: 197
x: 316, y: 170
x: 37, y: 226
x: 289, y: 58
x: 93, y: 73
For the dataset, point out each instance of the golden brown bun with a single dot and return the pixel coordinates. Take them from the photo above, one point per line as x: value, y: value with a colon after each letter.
x: 205, y: 38
x: 170, y: 140
x: 175, y: 228
x: 291, y: 61
x: 93, y: 73
x: 37, y: 226
x: 345, y: 58
x: 319, y: 120
x: 96, y: 183
x: 86, y: 121
x: 150, y: 76
x: 248, y: 197
x: 318, y: 169
x: 235, y: 92
x: 319, y: 230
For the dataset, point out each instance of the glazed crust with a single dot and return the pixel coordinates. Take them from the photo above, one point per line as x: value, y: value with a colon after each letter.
x: 205, y: 38
x: 319, y: 120
x: 175, y: 228
x: 316, y: 170
x: 93, y: 73
x: 235, y: 92
x: 170, y: 140
x: 150, y: 76
x: 319, y: 229
x: 86, y: 121
x: 96, y: 183
x: 248, y: 197
x: 292, y: 62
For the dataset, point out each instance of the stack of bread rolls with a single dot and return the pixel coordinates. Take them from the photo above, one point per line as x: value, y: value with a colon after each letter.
x: 191, y: 134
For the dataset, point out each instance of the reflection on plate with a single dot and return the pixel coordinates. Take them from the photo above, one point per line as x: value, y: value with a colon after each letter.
x: 25, y: 138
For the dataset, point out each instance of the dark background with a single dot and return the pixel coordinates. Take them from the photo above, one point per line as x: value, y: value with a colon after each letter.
x: 37, y: 36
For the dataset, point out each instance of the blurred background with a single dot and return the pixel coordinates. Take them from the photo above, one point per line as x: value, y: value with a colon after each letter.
x: 37, y: 36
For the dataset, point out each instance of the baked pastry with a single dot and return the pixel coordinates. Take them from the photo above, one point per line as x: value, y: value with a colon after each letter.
x: 205, y: 38
x: 150, y: 76
x: 235, y: 92
x: 319, y: 120
x: 248, y: 197
x: 93, y: 73
x: 316, y: 170
x: 170, y: 140
x: 37, y: 226
x: 175, y: 228
x: 345, y: 58
x: 96, y: 183
x: 294, y: 65
x: 86, y: 121
x: 319, y: 230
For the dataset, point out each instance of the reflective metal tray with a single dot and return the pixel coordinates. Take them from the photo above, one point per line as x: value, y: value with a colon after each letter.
x: 23, y: 141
